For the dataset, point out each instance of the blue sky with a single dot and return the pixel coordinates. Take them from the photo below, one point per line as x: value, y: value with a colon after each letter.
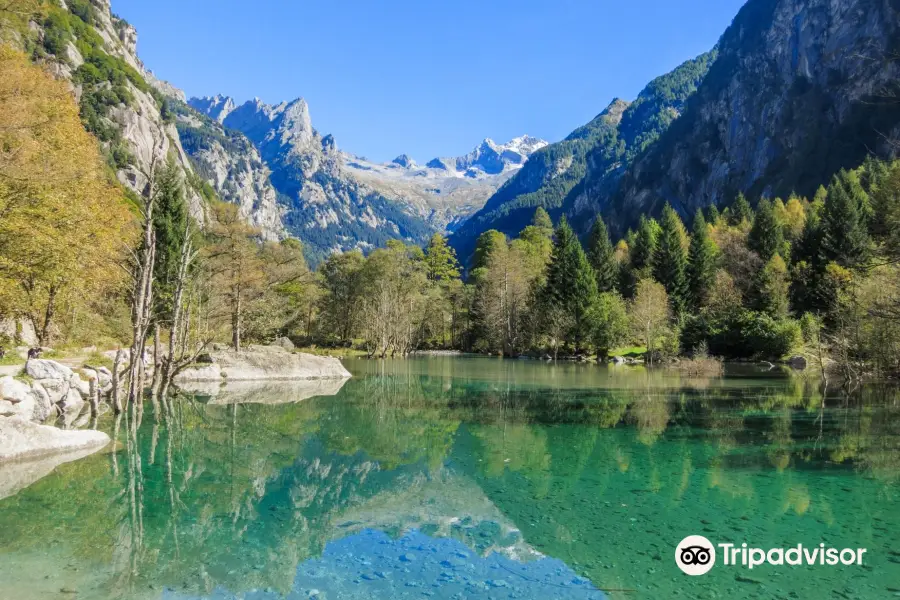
x: 426, y: 78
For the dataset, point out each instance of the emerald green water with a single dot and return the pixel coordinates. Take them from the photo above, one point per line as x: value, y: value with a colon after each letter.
x: 471, y: 478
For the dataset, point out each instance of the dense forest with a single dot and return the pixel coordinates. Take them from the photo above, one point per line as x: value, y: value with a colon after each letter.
x: 86, y: 262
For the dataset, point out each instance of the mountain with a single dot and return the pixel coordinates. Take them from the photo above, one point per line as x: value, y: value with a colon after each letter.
x: 122, y: 103
x: 335, y: 200
x: 800, y: 89
x: 555, y: 176
x: 232, y: 166
x: 794, y: 91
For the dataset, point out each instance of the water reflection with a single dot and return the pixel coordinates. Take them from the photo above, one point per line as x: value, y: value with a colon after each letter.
x: 602, y: 471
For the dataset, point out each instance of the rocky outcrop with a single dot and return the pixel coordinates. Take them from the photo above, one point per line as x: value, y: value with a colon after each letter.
x: 261, y: 363
x: 149, y: 138
x: 226, y: 391
x: 230, y: 163
x: 800, y: 89
x: 21, y: 439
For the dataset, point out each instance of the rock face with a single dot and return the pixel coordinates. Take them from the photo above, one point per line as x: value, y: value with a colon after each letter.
x: 148, y: 137
x: 801, y: 88
x: 21, y: 439
x: 231, y: 164
x: 261, y: 363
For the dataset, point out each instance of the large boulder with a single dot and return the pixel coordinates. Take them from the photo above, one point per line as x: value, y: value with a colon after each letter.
x: 39, y: 368
x: 264, y: 363
x: 285, y: 344
x: 15, y: 398
x: 797, y: 362
x: 83, y: 387
x: 21, y: 439
x: 56, y: 389
x: 72, y: 404
x: 43, y: 408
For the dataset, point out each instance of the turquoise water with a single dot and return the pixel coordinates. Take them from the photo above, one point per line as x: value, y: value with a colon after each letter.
x: 471, y: 478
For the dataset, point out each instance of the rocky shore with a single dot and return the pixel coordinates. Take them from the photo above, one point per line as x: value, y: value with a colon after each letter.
x: 46, y: 392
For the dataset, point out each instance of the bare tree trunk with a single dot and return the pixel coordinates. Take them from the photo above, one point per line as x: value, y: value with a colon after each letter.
x: 48, y: 316
x: 116, y: 398
x: 176, y: 332
x: 157, y: 372
x: 236, y: 322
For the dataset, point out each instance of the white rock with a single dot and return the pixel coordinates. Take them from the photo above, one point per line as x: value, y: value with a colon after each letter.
x: 38, y: 368
x: 56, y: 388
x: 15, y: 399
x: 262, y: 363
x: 42, y: 405
x: 73, y: 403
x: 80, y: 384
x: 21, y: 439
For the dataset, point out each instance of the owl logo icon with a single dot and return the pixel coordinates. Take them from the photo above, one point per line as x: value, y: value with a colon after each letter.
x: 695, y: 555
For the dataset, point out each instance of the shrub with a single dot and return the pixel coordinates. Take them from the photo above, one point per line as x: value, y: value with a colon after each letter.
x: 745, y: 334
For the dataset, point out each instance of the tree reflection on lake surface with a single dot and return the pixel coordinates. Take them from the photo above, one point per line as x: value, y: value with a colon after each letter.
x: 474, y: 478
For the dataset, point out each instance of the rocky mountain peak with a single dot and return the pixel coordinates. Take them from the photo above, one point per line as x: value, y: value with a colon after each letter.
x: 217, y: 107
x: 404, y: 161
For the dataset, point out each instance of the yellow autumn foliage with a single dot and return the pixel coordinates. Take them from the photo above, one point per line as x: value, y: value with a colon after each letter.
x: 65, y: 228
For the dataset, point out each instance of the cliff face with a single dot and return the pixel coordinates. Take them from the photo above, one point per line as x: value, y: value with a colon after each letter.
x: 800, y: 89
x: 230, y: 163
x: 144, y: 140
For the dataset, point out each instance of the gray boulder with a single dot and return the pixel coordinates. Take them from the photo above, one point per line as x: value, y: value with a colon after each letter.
x: 56, y: 388
x: 43, y: 408
x: 261, y: 363
x: 72, y: 404
x: 15, y: 399
x: 797, y: 362
x: 80, y: 384
x: 21, y: 439
x: 285, y: 343
x: 38, y: 368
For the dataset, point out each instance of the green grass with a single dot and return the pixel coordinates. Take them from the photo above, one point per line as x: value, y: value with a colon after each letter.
x: 11, y: 359
x: 632, y: 351
x: 97, y: 359
x: 337, y: 352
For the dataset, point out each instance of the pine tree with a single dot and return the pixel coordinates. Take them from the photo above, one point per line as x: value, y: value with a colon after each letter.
x: 571, y: 283
x: 845, y: 238
x: 701, y: 271
x: 542, y: 220
x: 440, y: 260
x: 602, y: 257
x: 740, y: 211
x: 767, y: 235
x: 170, y: 223
x: 644, y: 246
x: 712, y: 215
x: 771, y: 290
x: 670, y: 260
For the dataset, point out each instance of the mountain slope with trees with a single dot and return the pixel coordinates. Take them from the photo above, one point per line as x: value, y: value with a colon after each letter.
x: 563, y: 177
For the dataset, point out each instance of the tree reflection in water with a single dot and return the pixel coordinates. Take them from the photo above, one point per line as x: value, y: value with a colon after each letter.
x: 603, y: 474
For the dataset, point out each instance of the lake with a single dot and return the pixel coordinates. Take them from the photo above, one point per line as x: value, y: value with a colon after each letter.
x: 450, y: 477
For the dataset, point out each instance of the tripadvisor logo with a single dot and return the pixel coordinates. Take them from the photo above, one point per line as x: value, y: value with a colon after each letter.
x: 696, y: 555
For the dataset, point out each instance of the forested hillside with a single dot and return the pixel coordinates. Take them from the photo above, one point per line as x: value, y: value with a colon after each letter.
x: 592, y: 157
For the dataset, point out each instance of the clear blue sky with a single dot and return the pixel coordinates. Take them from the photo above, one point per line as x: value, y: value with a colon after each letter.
x: 426, y: 77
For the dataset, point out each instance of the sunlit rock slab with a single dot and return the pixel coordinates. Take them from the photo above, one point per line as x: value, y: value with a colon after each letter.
x: 29, y: 452
x: 262, y: 392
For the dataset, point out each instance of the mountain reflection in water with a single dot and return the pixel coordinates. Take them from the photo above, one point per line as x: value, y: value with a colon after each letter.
x: 572, y: 475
